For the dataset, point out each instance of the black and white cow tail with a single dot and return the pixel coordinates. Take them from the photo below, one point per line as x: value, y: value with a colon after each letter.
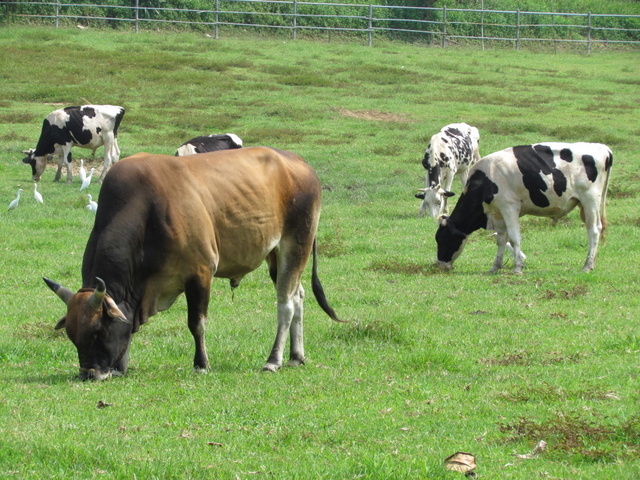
x: 318, y: 291
x: 603, y: 201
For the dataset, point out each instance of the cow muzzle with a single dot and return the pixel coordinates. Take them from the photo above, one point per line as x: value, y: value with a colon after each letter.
x: 446, y: 266
x: 94, y: 374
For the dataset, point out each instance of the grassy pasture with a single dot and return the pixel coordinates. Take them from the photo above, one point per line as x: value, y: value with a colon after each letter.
x: 431, y: 363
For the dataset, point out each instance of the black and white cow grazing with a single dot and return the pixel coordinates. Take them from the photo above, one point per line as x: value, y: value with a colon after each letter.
x: 450, y: 152
x: 209, y: 143
x: 545, y: 180
x: 89, y: 126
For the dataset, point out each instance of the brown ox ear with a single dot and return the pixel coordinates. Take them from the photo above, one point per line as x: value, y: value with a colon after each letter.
x: 61, y: 323
x: 100, y: 296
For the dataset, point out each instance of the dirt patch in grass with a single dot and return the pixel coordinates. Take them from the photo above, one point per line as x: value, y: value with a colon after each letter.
x: 528, y: 358
x: 576, y: 291
x: 373, y: 115
x: 593, y: 439
x: 407, y: 268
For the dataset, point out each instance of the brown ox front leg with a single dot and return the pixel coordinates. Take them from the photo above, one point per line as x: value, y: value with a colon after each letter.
x: 197, y: 293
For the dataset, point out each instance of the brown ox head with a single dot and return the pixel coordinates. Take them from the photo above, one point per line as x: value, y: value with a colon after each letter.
x: 98, y: 329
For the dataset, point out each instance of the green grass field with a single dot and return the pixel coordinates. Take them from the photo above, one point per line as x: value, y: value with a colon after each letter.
x: 431, y: 363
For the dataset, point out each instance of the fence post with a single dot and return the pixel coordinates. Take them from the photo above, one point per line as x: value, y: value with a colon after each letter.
x: 136, y: 14
x: 57, y: 13
x: 444, y: 26
x: 370, y: 31
x: 217, y: 19
x: 482, y: 23
x: 518, y: 29
x: 589, y: 33
x: 295, y: 17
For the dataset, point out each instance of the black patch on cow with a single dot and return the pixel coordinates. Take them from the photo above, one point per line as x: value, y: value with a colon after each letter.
x: 534, y: 162
x: 467, y: 216
x: 86, y: 111
x: 72, y: 131
x: 425, y: 159
x: 30, y: 160
x: 453, y: 132
x: 433, y: 173
x: 590, y: 167
x: 566, y: 154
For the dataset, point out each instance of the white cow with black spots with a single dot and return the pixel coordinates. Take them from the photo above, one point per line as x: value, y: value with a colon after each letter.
x: 543, y: 179
x: 89, y: 126
x: 450, y: 152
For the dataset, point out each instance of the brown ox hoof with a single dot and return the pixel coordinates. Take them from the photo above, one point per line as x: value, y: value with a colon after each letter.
x: 271, y: 367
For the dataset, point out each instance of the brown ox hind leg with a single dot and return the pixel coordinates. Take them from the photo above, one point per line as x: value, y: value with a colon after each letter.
x: 197, y: 290
x: 286, y: 264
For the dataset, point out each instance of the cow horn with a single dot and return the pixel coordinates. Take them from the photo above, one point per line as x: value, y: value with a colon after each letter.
x: 96, y: 298
x: 64, y: 293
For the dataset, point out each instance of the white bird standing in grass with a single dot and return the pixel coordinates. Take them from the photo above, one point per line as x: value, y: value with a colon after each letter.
x: 93, y: 206
x: 36, y: 194
x: 14, y: 203
x: 87, y: 181
x: 82, y: 172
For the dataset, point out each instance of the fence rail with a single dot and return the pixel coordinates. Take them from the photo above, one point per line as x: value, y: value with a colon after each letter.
x: 436, y: 25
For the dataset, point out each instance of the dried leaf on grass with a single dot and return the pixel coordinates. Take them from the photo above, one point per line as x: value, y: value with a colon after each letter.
x: 461, y: 462
x: 539, y: 448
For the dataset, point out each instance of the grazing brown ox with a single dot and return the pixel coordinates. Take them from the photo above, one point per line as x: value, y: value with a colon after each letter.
x: 167, y: 225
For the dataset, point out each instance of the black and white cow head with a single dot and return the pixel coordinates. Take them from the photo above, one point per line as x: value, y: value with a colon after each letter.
x: 37, y: 163
x: 450, y: 242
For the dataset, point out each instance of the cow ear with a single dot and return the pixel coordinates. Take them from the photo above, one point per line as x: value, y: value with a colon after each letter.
x: 61, y: 323
x: 114, y: 312
x: 448, y: 194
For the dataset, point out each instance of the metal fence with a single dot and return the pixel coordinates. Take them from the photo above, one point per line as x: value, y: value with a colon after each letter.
x: 442, y: 26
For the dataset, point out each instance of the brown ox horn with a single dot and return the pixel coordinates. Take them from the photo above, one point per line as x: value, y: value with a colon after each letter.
x: 96, y: 298
x: 64, y: 293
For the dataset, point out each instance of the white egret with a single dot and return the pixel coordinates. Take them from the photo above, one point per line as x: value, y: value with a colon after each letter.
x: 87, y: 181
x: 92, y: 205
x: 82, y: 172
x: 14, y: 203
x: 36, y: 194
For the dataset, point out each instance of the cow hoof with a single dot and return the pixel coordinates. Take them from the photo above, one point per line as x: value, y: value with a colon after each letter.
x: 270, y: 367
x: 200, y: 370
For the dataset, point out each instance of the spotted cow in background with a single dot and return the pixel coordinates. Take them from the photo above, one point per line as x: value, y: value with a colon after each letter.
x: 450, y: 152
x: 89, y: 126
x: 545, y: 180
x: 209, y: 143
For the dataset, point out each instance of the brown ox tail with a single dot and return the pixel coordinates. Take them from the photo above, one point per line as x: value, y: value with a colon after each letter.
x: 318, y: 291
